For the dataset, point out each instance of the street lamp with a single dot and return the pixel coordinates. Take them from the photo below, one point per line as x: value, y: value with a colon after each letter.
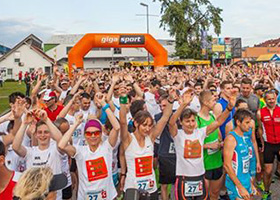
x: 147, y: 14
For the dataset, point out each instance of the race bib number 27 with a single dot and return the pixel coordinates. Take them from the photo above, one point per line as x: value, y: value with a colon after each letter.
x: 97, y: 195
x: 193, y: 188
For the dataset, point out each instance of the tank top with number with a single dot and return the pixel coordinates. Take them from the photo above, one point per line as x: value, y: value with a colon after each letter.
x: 240, y: 162
x: 95, y: 172
x: 140, y: 172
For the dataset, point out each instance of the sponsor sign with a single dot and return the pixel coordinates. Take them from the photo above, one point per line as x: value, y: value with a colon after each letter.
x: 131, y: 39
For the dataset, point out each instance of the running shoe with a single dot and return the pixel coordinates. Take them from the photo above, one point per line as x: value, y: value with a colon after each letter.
x: 266, y: 196
x: 260, y: 185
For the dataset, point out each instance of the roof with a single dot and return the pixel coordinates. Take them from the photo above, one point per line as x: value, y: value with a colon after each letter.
x: 270, y: 43
x: 33, y: 46
x: 268, y: 57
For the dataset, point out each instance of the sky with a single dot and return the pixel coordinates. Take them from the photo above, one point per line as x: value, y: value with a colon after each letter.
x: 253, y: 20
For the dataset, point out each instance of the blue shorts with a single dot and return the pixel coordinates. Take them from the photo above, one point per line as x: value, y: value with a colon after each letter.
x: 116, y: 179
x: 233, y: 191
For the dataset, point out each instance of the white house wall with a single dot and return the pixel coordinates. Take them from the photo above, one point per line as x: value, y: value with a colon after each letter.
x: 29, y: 57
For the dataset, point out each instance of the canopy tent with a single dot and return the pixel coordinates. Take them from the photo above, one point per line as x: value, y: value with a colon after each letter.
x: 268, y: 57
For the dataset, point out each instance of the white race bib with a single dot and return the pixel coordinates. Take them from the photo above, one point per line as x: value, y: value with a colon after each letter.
x: 96, y: 195
x: 193, y: 188
x: 146, y: 184
x: 246, y: 164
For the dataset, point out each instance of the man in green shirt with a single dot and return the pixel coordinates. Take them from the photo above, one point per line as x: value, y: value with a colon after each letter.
x: 213, y: 162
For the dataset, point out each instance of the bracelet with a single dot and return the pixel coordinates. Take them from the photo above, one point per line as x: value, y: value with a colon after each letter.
x: 229, y: 109
x: 104, y: 108
x: 123, y: 100
x: 169, y: 101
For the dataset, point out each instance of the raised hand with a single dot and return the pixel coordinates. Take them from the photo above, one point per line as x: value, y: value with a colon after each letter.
x: 41, y: 114
x: 79, y: 118
x: 115, y: 78
x: 100, y: 99
x: 128, y: 77
x: 29, y: 117
x: 188, y: 97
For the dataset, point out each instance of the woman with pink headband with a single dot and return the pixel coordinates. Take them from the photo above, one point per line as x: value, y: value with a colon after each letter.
x: 94, y: 161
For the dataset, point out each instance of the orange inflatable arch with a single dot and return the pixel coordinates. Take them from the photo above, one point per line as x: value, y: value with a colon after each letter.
x: 116, y: 40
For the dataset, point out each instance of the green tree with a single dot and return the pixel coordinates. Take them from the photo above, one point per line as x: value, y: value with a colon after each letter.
x: 185, y: 19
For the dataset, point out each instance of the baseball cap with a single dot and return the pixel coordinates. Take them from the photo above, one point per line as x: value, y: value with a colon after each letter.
x: 63, y: 81
x: 259, y: 87
x: 48, y: 95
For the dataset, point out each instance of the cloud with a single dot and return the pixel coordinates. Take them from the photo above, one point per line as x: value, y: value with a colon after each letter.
x: 13, y: 30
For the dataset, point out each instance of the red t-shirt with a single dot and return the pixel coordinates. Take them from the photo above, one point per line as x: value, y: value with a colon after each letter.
x: 7, y: 193
x: 53, y: 114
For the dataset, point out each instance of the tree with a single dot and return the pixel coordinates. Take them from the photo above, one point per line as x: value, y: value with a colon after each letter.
x: 185, y: 20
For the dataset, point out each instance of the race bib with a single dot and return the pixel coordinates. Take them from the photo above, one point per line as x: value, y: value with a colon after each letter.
x: 96, y: 195
x: 143, y: 166
x: 192, y: 149
x: 96, y: 169
x: 193, y: 188
x: 172, y: 148
x: 146, y: 184
x: 246, y: 164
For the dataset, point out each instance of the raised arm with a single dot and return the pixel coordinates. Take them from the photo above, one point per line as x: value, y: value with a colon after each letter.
x: 125, y: 136
x: 157, y: 130
x: 186, y: 100
x: 115, y: 79
x: 77, y: 85
x: 113, y: 136
x: 135, y: 85
x: 222, y: 118
x: 64, y: 144
x: 17, y: 143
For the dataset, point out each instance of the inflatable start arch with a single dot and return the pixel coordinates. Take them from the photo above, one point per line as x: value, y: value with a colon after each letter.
x: 92, y: 40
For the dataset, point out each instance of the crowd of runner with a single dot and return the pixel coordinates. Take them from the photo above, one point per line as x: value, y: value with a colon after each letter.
x: 195, y: 133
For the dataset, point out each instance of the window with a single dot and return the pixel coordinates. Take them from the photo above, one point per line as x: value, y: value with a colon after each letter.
x: 17, y: 60
x: 68, y: 49
x: 117, y: 51
x: 17, y: 56
x: 31, y: 70
x: 10, y: 72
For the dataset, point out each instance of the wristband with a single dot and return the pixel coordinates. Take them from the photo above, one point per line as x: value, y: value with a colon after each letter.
x: 123, y: 100
x: 170, y: 101
x: 104, y: 108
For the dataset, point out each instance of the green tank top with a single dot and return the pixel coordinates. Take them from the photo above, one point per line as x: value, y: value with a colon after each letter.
x: 212, y: 158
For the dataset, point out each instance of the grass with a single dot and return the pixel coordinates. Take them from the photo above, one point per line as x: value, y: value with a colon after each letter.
x: 6, y: 90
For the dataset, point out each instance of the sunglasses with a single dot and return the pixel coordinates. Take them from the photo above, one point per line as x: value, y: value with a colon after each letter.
x: 95, y: 133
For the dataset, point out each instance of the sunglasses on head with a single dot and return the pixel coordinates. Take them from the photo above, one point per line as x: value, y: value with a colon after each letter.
x: 90, y: 133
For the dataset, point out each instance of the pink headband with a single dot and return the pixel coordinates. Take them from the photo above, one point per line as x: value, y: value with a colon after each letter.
x: 93, y: 123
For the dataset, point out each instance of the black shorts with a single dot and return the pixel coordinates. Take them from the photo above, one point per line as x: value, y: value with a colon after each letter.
x: 132, y: 195
x: 188, y: 188
x: 214, y: 174
x: 167, y: 170
x: 73, y: 167
x: 270, y: 151
x: 67, y: 192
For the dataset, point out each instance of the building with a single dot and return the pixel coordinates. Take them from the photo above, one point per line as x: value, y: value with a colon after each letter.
x: 267, y: 47
x: 58, y: 47
x: 3, y: 50
x: 26, y: 56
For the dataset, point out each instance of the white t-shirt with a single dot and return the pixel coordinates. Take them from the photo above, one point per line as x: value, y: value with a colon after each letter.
x: 189, y: 152
x: 14, y: 162
x: 151, y: 103
x: 116, y: 101
x: 64, y: 94
x: 4, y: 126
x: 50, y: 157
x: 78, y: 135
x: 95, y: 172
